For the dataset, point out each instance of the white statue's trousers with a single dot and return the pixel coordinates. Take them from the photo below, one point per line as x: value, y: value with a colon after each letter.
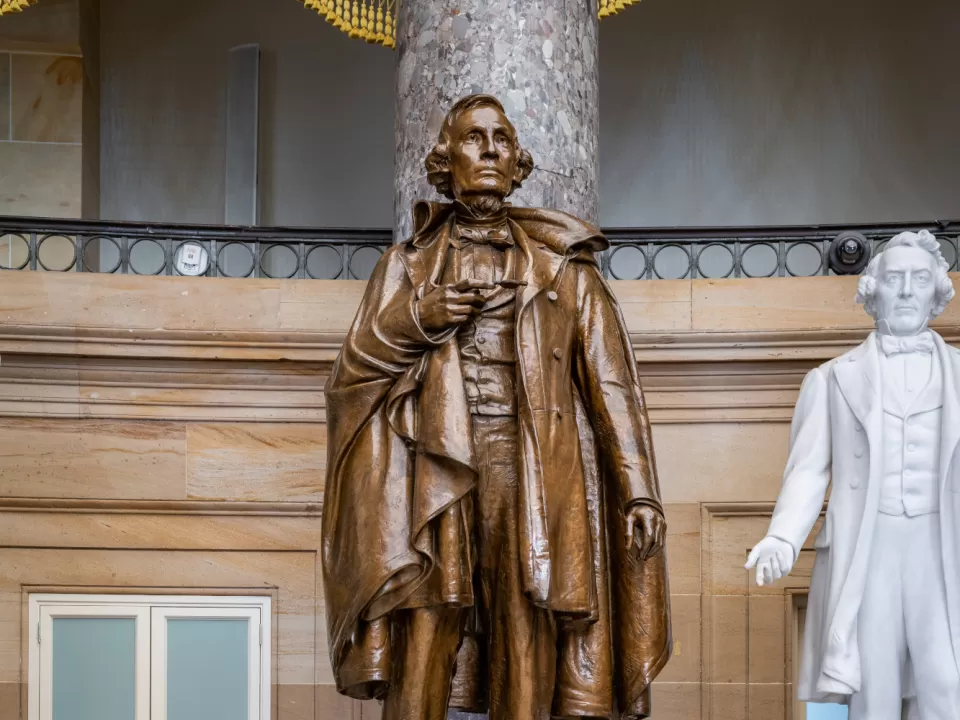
x: 904, y: 614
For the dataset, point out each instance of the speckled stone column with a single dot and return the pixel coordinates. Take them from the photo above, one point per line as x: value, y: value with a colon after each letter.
x: 538, y: 57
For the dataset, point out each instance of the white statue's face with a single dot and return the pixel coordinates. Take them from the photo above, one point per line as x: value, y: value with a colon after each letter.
x: 906, y: 290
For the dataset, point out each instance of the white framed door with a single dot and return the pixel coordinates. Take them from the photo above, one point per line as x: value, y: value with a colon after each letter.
x: 149, y: 657
x: 206, y: 662
x: 64, y: 682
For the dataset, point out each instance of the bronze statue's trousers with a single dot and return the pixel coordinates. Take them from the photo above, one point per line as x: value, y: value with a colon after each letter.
x: 522, y: 639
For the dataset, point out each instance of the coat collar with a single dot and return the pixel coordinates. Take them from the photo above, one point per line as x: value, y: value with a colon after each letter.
x: 858, y: 375
x: 538, y: 269
x: 558, y: 231
x: 950, y: 434
x: 546, y: 240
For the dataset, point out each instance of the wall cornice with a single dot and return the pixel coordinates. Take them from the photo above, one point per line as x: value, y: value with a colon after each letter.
x: 207, y: 376
x: 160, y: 507
x: 83, y: 345
x: 682, y: 346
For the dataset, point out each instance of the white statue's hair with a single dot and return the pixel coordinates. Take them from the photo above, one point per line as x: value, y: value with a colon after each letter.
x: 924, y: 240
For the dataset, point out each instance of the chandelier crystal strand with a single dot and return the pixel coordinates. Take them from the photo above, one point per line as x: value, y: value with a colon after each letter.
x: 389, y: 29
x: 353, y: 24
x: 364, y: 24
x: 378, y: 24
x: 368, y: 23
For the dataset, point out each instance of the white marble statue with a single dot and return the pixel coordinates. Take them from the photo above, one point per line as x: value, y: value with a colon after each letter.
x: 881, y: 426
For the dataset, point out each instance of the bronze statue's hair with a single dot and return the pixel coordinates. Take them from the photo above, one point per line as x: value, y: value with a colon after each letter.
x: 438, y: 161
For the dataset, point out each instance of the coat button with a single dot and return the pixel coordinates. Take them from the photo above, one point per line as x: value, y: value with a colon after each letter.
x: 552, y: 296
x: 557, y: 354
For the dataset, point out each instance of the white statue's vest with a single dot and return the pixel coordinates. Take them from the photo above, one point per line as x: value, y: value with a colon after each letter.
x: 911, y: 444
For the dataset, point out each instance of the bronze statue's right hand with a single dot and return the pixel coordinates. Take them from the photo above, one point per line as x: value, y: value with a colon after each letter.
x: 449, y: 305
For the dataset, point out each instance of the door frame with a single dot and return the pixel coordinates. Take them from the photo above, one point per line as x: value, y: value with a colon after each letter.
x: 158, y: 652
x: 51, y: 605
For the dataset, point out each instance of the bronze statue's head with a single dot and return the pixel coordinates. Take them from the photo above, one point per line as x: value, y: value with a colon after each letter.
x: 477, y: 158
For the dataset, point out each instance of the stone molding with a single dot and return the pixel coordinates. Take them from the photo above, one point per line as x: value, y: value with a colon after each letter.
x: 111, y: 373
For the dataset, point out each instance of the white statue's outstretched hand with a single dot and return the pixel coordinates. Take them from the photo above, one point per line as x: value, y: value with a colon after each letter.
x: 773, y: 559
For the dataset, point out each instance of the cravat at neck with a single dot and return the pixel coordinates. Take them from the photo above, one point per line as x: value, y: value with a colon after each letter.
x: 488, y: 230
x: 920, y: 343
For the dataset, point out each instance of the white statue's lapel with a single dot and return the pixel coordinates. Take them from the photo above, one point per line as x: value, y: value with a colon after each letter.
x: 858, y: 376
x: 950, y: 428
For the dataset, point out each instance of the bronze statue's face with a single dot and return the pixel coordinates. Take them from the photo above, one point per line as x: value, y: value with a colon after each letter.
x: 483, y: 153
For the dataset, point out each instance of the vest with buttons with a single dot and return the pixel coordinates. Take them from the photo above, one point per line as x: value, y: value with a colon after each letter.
x: 488, y: 355
x: 911, y: 446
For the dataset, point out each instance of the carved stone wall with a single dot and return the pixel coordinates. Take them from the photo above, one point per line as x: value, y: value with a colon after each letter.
x: 169, y: 433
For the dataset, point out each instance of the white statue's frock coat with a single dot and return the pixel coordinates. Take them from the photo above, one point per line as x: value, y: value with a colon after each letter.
x: 836, y: 436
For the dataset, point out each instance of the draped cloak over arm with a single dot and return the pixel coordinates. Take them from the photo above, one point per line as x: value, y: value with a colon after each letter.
x: 378, y: 544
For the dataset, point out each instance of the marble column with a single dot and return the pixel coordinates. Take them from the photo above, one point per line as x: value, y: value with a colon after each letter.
x: 538, y: 57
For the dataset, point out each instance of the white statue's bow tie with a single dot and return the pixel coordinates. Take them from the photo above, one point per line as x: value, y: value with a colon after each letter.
x: 922, y: 343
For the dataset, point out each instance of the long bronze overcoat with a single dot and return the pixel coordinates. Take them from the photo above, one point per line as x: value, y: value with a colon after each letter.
x: 397, y: 516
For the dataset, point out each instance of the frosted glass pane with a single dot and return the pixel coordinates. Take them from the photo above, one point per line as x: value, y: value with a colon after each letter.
x: 93, y: 668
x: 207, y: 669
x: 826, y: 711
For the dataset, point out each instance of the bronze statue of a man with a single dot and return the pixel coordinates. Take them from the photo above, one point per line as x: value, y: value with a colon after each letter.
x: 492, y: 525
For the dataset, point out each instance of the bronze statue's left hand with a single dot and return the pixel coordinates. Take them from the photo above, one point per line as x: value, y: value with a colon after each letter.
x: 647, y: 528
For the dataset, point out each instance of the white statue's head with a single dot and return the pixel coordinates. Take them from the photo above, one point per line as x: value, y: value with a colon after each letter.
x: 906, y: 285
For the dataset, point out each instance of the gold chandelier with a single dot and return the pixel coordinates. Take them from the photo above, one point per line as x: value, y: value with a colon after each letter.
x: 9, y: 6
x: 374, y: 20
x: 370, y: 20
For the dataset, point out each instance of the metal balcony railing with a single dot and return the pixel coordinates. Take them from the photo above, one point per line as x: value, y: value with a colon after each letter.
x: 349, y: 254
